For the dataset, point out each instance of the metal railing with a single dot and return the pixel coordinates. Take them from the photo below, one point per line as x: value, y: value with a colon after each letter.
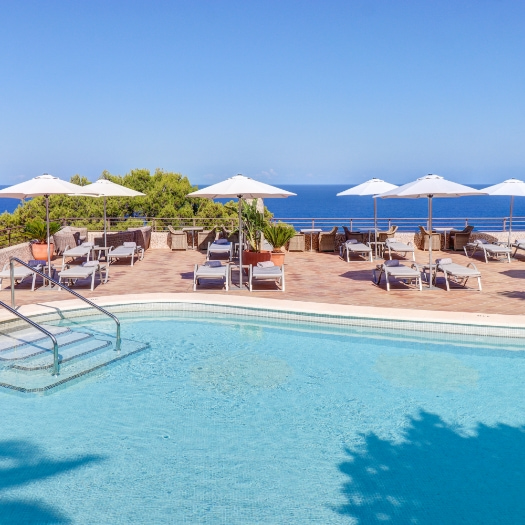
x: 64, y: 287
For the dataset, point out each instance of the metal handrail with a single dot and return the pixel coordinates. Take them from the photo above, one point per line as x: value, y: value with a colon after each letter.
x: 43, y: 330
x: 64, y: 287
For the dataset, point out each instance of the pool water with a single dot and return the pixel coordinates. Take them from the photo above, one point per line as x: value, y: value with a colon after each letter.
x: 240, y: 422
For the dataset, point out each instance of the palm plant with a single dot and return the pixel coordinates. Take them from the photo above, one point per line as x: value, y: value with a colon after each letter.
x: 37, y: 230
x: 278, y: 234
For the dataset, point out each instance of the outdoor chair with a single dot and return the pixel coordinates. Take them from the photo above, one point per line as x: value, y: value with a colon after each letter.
x: 396, y: 246
x: 457, y: 273
x: 350, y: 235
x: 84, y: 250
x: 21, y: 272
x: 267, y: 271
x: 436, y: 239
x: 177, y: 239
x: 211, y: 271
x: 383, y: 236
x: 220, y: 247
x: 327, y: 240
x: 518, y: 244
x: 353, y: 247
x: 64, y: 239
x: 395, y: 270
x: 497, y: 251
x: 297, y: 243
x: 205, y: 237
x: 458, y: 239
x: 127, y: 250
x: 72, y: 274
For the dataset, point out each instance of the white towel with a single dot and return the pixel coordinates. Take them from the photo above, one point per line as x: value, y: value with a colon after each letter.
x: 481, y: 241
x: 129, y: 244
x: 265, y: 264
x: 393, y: 262
x: 520, y: 241
x: 444, y: 260
x: 352, y: 241
x: 221, y: 241
x: 213, y: 264
x: 88, y: 244
x: 90, y: 263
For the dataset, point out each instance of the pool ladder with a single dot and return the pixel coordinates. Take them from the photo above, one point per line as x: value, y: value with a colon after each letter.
x: 13, y: 310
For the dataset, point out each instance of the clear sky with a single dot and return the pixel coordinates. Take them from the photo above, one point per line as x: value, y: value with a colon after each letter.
x: 284, y: 91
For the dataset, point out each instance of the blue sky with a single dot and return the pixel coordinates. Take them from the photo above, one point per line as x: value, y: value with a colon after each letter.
x: 288, y: 92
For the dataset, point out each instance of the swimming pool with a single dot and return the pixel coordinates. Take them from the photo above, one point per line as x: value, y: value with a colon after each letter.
x: 239, y: 421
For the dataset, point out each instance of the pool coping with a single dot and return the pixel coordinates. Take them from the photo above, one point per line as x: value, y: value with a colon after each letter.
x: 259, y: 303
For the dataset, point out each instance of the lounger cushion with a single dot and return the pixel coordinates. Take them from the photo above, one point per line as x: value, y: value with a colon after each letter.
x: 221, y: 241
x: 129, y: 244
x: 213, y: 264
x: 265, y: 264
x: 266, y: 271
x: 459, y: 270
x: 444, y: 260
x: 393, y: 262
x: 352, y: 241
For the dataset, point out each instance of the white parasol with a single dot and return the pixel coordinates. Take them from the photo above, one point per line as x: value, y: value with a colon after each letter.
x: 241, y: 187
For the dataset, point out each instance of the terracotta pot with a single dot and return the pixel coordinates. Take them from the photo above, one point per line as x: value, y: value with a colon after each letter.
x: 40, y: 251
x: 277, y: 258
x: 252, y: 258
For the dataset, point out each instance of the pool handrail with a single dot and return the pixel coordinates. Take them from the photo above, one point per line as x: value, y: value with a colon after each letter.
x: 64, y: 287
x: 56, y: 366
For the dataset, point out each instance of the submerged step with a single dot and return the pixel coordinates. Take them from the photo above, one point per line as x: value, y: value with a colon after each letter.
x: 17, y: 338
x: 42, y: 346
x: 41, y: 381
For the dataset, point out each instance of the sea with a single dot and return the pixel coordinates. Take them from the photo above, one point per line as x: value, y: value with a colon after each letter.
x: 321, y: 201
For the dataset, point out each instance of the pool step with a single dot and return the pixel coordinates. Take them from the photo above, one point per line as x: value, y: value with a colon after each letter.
x: 26, y: 365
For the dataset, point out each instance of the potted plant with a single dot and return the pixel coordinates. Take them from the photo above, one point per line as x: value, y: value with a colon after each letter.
x: 37, y: 231
x: 278, y: 234
x: 254, y: 222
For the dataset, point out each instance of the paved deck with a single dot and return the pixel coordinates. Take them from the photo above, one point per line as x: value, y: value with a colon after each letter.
x: 313, y: 277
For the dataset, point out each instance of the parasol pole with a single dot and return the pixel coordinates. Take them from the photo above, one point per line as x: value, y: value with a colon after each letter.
x: 510, y: 219
x: 240, y: 241
x: 430, y: 241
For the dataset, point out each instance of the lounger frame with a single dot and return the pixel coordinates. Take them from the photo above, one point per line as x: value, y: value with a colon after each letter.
x: 271, y: 273
x: 400, y: 273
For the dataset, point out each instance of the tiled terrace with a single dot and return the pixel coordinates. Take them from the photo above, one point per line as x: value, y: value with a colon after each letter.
x: 313, y: 277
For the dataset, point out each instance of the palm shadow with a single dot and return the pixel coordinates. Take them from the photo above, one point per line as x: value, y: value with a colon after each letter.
x: 22, y: 463
x: 437, y: 475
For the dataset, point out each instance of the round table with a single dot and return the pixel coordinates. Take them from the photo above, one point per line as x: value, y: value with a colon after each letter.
x: 311, y: 231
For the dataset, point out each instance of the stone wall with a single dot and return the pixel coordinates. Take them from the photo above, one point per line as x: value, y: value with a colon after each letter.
x: 22, y: 251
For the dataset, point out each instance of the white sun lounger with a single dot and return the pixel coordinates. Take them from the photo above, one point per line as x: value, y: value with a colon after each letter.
x: 393, y: 245
x: 211, y: 271
x: 129, y: 250
x: 72, y: 274
x: 457, y: 273
x: 518, y: 244
x: 352, y: 246
x: 219, y: 248
x: 497, y: 251
x: 267, y: 272
x: 84, y: 250
x: 407, y: 274
x: 20, y: 273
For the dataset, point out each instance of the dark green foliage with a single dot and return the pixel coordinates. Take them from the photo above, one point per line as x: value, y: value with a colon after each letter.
x: 278, y: 234
x: 37, y: 230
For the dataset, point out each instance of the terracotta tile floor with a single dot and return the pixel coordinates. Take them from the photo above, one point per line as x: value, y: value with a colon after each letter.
x: 311, y: 276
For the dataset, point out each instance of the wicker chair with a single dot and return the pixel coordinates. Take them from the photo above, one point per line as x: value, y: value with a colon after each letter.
x: 65, y: 238
x: 327, y: 240
x: 358, y: 236
x: 177, y: 239
x: 383, y: 236
x: 204, y: 237
x: 297, y: 243
x: 458, y: 239
x: 227, y: 234
x: 436, y: 239
x: 115, y: 239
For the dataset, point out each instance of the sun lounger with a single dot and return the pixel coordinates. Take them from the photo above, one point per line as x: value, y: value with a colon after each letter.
x: 407, y: 274
x: 267, y: 271
x: 21, y: 272
x: 211, y: 271
x: 498, y: 251
x: 220, y: 247
x: 352, y: 246
x: 72, y: 274
x: 84, y: 250
x: 457, y: 273
x: 518, y: 244
x: 127, y: 250
x: 394, y: 245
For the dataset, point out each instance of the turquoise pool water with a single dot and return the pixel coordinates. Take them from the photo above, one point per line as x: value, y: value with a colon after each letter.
x: 244, y: 422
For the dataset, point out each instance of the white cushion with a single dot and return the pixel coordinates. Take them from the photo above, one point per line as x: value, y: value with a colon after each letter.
x: 393, y: 262
x: 213, y: 264
x: 129, y: 244
x: 444, y: 260
x: 265, y: 264
x: 352, y: 241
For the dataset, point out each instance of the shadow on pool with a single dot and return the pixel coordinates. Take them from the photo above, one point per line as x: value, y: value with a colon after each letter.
x: 21, y: 463
x: 438, y: 475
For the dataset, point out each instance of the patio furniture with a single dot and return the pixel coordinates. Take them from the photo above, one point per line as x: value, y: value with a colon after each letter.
x: 358, y: 236
x: 21, y: 272
x: 457, y: 273
x: 220, y: 247
x: 353, y: 247
x: 177, y: 239
x: 211, y: 271
x: 72, y: 274
x: 458, y: 239
x: 389, y: 234
x: 396, y: 246
x: 497, y: 251
x: 84, y: 250
x: 327, y: 240
x: 267, y: 271
x: 311, y: 231
x: 127, y: 250
x: 64, y: 239
x: 395, y: 270
x: 205, y: 237
x: 297, y: 243
x: 518, y: 244
x: 426, y: 235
